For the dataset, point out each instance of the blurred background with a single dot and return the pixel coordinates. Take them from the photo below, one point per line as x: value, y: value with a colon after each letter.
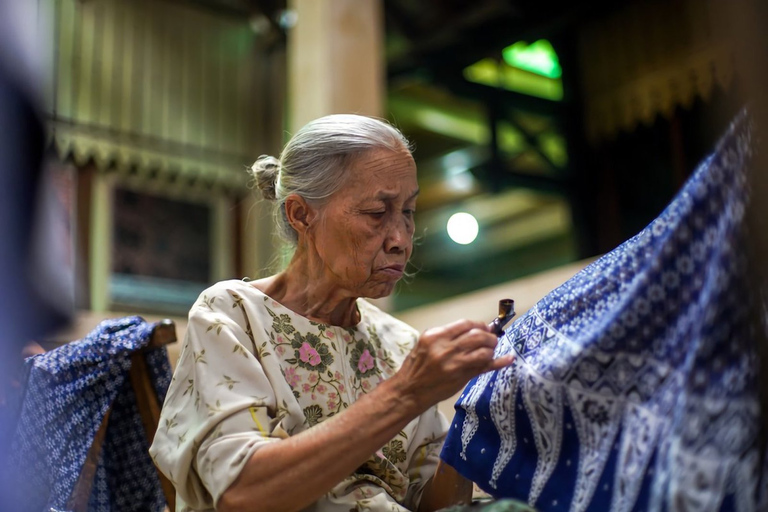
x: 545, y: 133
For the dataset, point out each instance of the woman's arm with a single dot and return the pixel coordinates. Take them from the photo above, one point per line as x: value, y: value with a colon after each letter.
x: 290, y: 474
x: 444, y: 489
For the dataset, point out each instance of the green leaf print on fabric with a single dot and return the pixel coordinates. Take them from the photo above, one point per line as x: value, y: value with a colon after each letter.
x: 394, y: 451
x: 170, y: 423
x: 238, y: 302
x: 214, y: 409
x: 207, y: 303
x: 261, y: 351
x: 363, y: 360
x: 217, y: 324
x: 311, y: 353
x: 182, y: 439
x: 228, y: 382
x: 240, y: 350
x: 383, y: 355
x: 320, y: 327
x: 190, y: 387
x: 282, y: 323
x: 313, y: 415
x: 374, y: 336
x: 384, y: 473
x: 200, y: 357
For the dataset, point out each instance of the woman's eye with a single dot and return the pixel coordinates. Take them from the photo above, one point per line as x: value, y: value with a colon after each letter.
x: 377, y: 215
x: 409, y: 212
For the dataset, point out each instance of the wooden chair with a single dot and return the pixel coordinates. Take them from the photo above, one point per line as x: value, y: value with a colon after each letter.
x: 146, y: 400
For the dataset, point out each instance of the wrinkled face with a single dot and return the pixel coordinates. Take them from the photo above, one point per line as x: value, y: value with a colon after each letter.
x: 364, y: 233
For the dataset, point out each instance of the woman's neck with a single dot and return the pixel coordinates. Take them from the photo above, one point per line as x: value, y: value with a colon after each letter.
x: 311, y: 295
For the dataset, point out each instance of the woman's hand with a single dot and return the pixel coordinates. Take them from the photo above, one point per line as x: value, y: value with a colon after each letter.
x: 445, y: 359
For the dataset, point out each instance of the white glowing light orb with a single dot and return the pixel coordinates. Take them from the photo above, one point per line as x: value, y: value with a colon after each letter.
x: 462, y: 228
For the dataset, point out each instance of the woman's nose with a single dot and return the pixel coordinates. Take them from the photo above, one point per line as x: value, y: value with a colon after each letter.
x: 398, y: 236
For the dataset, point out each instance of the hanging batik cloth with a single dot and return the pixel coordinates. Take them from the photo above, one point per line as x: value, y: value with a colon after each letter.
x: 67, y: 393
x: 635, y: 382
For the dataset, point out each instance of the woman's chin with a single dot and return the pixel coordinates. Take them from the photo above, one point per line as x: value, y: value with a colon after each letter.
x: 379, y: 290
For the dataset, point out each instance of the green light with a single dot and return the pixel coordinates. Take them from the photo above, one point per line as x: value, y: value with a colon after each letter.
x: 528, y: 69
x: 484, y: 72
x: 525, y: 82
x: 538, y: 57
x: 553, y: 145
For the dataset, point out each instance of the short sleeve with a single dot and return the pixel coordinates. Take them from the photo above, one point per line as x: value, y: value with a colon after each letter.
x: 220, y: 407
x: 425, y: 453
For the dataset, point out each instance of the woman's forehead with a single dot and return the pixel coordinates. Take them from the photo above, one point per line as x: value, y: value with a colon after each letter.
x: 384, y: 166
x: 383, y: 177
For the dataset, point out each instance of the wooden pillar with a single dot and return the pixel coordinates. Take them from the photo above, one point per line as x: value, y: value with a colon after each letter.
x: 336, y: 63
x: 100, y: 236
x: 257, y: 242
x: 222, y: 249
x: 335, y: 59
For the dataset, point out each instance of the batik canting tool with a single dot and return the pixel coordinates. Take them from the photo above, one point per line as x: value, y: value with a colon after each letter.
x: 506, y: 313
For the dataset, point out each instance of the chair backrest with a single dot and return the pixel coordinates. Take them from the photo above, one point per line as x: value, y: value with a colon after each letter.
x: 163, y: 334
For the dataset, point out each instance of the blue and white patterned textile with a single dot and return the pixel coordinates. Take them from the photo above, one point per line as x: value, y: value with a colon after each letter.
x: 68, y: 391
x: 635, y: 383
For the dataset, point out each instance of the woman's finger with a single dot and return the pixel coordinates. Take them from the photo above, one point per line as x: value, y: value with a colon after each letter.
x: 476, y: 338
x: 500, y: 362
x: 455, y: 329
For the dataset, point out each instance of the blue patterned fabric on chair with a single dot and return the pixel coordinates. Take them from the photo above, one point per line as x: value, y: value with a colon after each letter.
x: 635, y: 383
x: 68, y: 392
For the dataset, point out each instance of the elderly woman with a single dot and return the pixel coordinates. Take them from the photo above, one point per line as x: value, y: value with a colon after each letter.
x: 294, y: 393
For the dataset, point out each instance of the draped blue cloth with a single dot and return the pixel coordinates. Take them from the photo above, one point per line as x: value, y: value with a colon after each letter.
x: 68, y: 391
x: 635, y: 382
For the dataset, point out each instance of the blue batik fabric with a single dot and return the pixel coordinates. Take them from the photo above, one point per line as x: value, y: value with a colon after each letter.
x: 634, y: 385
x: 68, y: 391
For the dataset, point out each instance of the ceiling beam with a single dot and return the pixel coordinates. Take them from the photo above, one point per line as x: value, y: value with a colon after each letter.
x: 232, y: 8
x: 465, y: 45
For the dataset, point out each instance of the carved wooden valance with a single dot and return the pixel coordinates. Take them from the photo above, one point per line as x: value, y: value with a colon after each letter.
x: 648, y: 58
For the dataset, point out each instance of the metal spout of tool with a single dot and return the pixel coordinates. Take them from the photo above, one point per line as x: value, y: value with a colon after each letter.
x: 506, y: 313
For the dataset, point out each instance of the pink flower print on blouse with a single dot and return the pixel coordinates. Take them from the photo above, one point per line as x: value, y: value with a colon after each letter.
x: 312, y: 378
x: 280, y: 350
x: 306, y: 388
x: 321, y: 389
x: 291, y: 377
x: 362, y: 361
x: 309, y: 354
x: 366, y: 362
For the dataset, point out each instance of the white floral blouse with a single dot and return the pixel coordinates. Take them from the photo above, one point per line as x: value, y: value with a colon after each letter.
x: 251, y: 371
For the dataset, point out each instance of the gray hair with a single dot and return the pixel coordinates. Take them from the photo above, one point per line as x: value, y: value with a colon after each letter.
x: 314, y: 162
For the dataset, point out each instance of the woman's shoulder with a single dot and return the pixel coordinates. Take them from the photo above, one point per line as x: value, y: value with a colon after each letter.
x: 223, y: 295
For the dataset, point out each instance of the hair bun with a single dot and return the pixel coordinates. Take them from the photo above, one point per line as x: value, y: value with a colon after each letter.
x: 265, y: 171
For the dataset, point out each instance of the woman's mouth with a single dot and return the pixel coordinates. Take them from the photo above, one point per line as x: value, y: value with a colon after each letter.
x: 392, y: 270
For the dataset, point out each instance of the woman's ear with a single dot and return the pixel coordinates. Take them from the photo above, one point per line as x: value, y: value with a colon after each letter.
x: 299, y: 213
